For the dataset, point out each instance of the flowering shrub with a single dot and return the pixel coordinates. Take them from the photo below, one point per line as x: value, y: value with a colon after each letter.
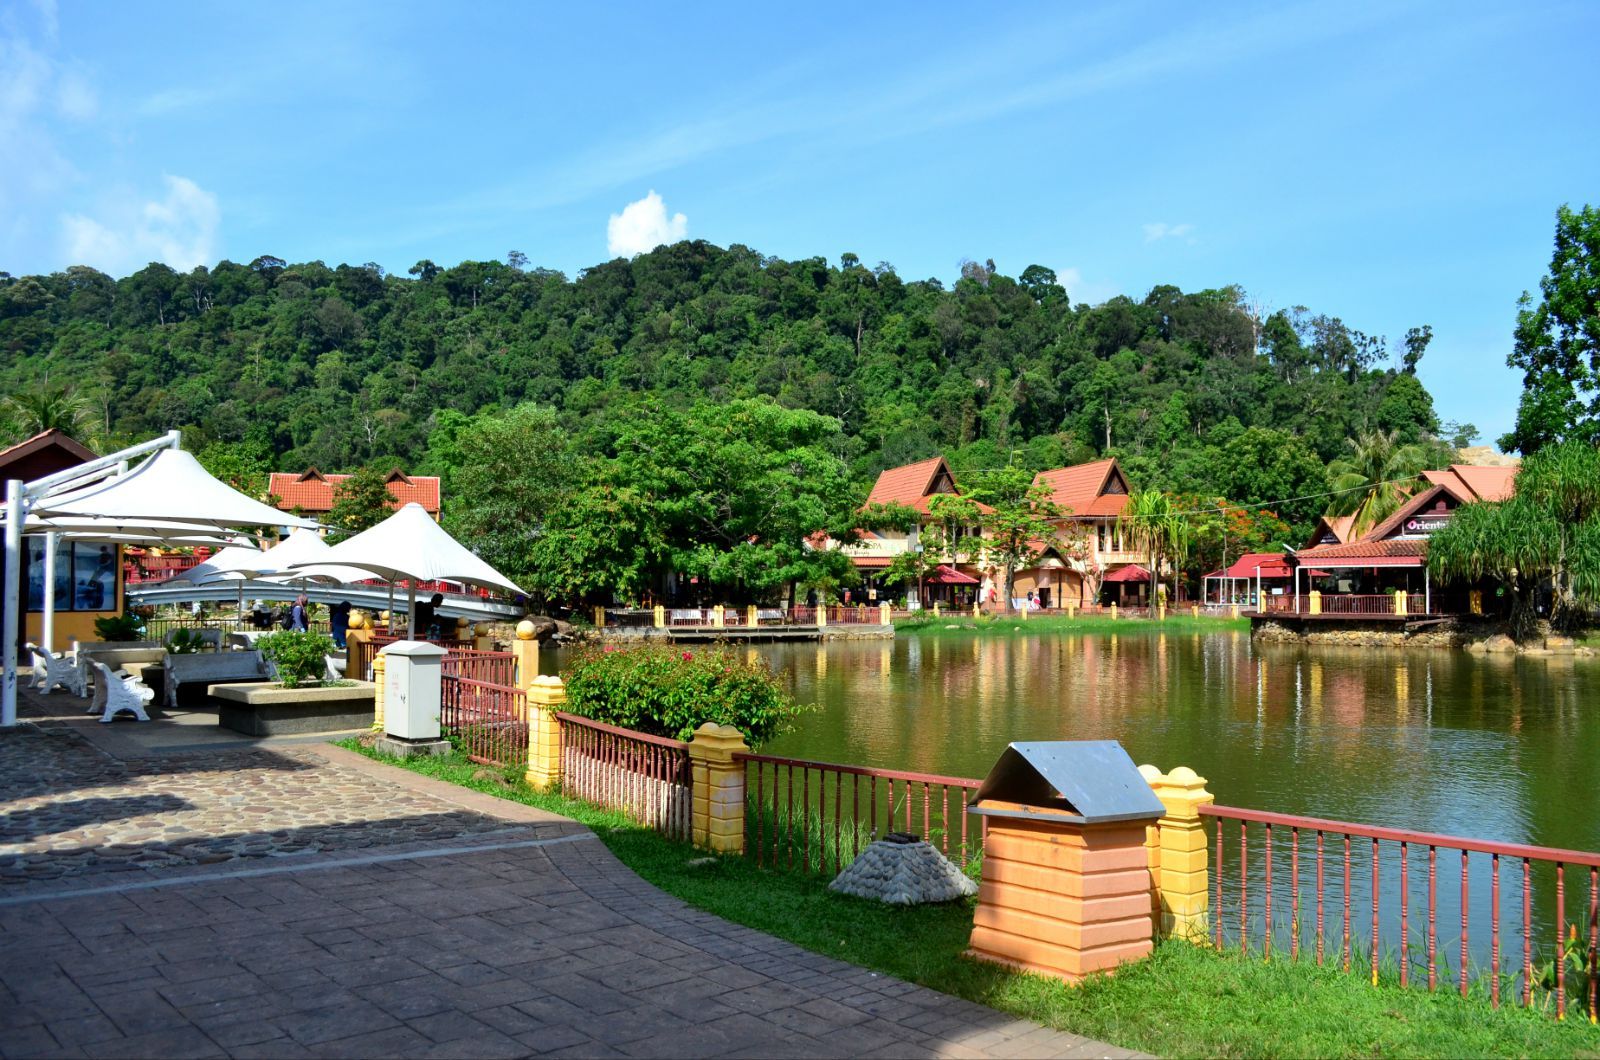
x: 667, y: 691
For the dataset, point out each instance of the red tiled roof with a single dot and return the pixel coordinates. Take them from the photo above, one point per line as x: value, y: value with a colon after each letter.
x: 1267, y: 564
x: 1131, y: 573
x: 906, y: 485
x: 871, y: 562
x: 1395, y: 552
x: 1476, y: 483
x: 312, y: 491
x: 1080, y: 489
x: 947, y: 575
x: 1337, y: 525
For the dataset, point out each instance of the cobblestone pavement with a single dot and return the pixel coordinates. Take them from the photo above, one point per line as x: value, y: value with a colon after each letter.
x: 308, y: 902
x: 67, y: 809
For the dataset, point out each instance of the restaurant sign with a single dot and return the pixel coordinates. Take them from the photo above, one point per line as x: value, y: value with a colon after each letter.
x: 1424, y: 523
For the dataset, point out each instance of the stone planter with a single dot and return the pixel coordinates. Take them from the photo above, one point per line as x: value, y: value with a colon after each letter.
x: 267, y: 709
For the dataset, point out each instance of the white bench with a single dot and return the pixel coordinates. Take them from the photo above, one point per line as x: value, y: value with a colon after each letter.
x: 52, y: 670
x: 115, y: 692
x: 211, y: 669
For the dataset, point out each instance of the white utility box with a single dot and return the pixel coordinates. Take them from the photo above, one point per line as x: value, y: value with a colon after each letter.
x: 412, y: 679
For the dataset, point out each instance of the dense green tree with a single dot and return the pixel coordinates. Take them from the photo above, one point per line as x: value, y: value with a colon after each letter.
x: 1016, y: 518
x: 1545, y: 538
x: 360, y: 502
x: 1557, y: 343
x: 51, y: 407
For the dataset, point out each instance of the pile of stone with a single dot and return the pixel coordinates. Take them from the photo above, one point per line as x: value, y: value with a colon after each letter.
x: 901, y: 869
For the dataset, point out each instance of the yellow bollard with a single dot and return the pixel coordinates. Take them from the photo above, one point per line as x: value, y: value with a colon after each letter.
x: 1113, y: 612
x: 661, y: 617
x: 1178, y: 853
x: 750, y: 617
x: 1316, y: 602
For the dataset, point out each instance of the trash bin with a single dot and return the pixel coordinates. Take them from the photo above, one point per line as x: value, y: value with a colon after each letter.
x: 1066, y: 877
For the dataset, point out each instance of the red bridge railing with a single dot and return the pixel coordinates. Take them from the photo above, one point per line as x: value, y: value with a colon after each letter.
x: 817, y: 816
x: 646, y: 777
x: 1384, y: 880
x: 493, y: 667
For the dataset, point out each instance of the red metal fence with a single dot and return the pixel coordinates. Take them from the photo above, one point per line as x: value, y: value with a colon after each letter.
x: 817, y: 816
x: 489, y: 722
x: 492, y: 667
x: 646, y: 777
x: 1384, y: 879
x: 1350, y: 604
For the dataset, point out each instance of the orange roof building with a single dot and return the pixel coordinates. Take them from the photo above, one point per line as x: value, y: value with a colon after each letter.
x: 1093, y: 489
x: 313, y: 493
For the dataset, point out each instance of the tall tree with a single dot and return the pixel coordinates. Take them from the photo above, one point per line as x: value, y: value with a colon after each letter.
x: 360, y: 502
x: 1160, y: 529
x: 1557, y: 344
x: 1016, y: 519
x: 52, y: 407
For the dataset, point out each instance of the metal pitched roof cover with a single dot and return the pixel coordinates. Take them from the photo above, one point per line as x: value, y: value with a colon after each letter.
x: 1093, y: 780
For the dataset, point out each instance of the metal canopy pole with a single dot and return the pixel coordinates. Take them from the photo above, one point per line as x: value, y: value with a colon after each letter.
x: 1427, y: 593
x: 13, y: 601
x: 47, y: 632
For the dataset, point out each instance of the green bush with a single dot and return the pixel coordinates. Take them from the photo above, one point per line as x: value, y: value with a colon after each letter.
x: 119, y: 627
x: 185, y: 642
x: 671, y: 691
x: 301, y: 658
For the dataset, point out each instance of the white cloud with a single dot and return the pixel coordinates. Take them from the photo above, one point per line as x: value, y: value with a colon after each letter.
x: 75, y: 97
x: 642, y: 226
x: 1081, y: 291
x: 179, y: 230
x: 1161, y: 230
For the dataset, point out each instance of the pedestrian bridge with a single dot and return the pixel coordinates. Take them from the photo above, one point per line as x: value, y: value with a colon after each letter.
x: 372, y: 598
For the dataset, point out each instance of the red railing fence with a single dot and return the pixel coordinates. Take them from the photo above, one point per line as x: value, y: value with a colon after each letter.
x: 646, y: 777
x: 487, y: 721
x: 1414, y: 901
x: 492, y: 667
x: 817, y: 816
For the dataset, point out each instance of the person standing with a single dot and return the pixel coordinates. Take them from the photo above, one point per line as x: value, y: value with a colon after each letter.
x: 299, y: 617
x: 339, y: 622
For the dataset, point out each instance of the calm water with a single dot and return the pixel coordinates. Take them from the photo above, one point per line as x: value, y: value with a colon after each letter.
x: 1505, y: 749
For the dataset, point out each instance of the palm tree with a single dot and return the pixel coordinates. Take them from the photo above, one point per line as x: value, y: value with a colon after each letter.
x: 1159, y: 530
x: 1370, y: 482
x: 52, y: 406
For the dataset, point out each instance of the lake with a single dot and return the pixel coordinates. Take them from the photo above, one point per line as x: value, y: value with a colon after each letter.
x: 1435, y: 740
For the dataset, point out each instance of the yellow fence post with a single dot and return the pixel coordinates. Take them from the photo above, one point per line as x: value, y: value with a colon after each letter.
x: 661, y: 617
x: 1179, y: 855
x: 1400, y: 602
x: 480, y: 637
x: 822, y: 614
x: 975, y: 611
x: 546, y: 695
x: 1233, y: 610
x: 717, y: 617
x: 378, y: 666
x: 526, y: 650
x: 1161, y: 612
x: 718, y: 785
x: 1113, y: 612
x: 936, y: 609
x: 599, y: 617
x: 1194, y: 610
x: 1316, y: 602
x: 883, y: 614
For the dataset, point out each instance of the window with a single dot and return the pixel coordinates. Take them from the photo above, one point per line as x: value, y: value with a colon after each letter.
x: 86, y: 576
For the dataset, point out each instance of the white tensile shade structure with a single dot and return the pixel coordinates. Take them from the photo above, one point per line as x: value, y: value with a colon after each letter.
x: 170, y: 486
x: 410, y: 545
x: 169, y: 498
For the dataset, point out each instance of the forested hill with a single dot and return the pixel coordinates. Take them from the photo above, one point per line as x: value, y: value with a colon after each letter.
x: 339, y: 367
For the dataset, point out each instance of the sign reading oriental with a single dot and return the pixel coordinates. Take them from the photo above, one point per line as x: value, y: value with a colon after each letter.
x: 1424, y: 523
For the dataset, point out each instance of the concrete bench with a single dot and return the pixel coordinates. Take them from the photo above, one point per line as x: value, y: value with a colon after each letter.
x: 210, y: 669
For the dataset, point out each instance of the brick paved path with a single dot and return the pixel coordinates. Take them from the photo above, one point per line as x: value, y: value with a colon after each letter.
x: 416, y: 919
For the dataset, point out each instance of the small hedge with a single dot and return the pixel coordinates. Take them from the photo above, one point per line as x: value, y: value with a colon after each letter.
x: 671, y: 691
x: 301, y: 658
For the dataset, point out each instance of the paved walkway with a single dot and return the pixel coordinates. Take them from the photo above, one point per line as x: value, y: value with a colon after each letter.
x: 320, y: 904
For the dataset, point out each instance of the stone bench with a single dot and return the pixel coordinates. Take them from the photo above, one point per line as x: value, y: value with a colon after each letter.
x: 268, y: 709
x: 210, y: 669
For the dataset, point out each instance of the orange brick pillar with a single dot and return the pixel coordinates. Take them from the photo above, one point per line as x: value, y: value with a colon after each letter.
x: 1062, y: 899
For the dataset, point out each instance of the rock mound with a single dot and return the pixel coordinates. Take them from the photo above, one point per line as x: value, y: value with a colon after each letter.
x: 901, y: 869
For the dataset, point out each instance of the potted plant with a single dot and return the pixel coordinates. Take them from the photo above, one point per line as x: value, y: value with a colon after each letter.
x: 119, y: 628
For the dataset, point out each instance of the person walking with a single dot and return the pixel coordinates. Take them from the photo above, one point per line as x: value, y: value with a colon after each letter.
x: 299, y: 617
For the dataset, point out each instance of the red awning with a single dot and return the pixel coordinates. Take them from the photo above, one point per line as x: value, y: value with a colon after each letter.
x: 1131, y: 573
x: 945, y: 575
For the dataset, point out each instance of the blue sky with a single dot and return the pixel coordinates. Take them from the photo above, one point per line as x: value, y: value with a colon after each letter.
x: 1393, y: 164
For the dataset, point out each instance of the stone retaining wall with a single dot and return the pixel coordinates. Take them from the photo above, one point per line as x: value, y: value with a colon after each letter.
x: 1481, y: 635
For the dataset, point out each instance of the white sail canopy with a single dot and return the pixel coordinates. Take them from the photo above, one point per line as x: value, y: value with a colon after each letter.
x: 231, y: 564
x: 170, y: 486
x: 281, y: 562
x: 409, y: 544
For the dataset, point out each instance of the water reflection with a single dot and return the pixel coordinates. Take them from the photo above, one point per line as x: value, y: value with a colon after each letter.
x: 1501, y: 748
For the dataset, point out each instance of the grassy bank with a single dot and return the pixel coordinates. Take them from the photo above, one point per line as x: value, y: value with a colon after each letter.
x: 1175, y: 622
x: 1184, y: 1001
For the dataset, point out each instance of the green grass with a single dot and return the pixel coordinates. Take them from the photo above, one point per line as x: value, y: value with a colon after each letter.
x: 1175, y: 622
x: 1184, y: 1001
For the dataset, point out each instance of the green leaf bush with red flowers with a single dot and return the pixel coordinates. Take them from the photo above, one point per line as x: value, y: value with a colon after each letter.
x: 671, y: 691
